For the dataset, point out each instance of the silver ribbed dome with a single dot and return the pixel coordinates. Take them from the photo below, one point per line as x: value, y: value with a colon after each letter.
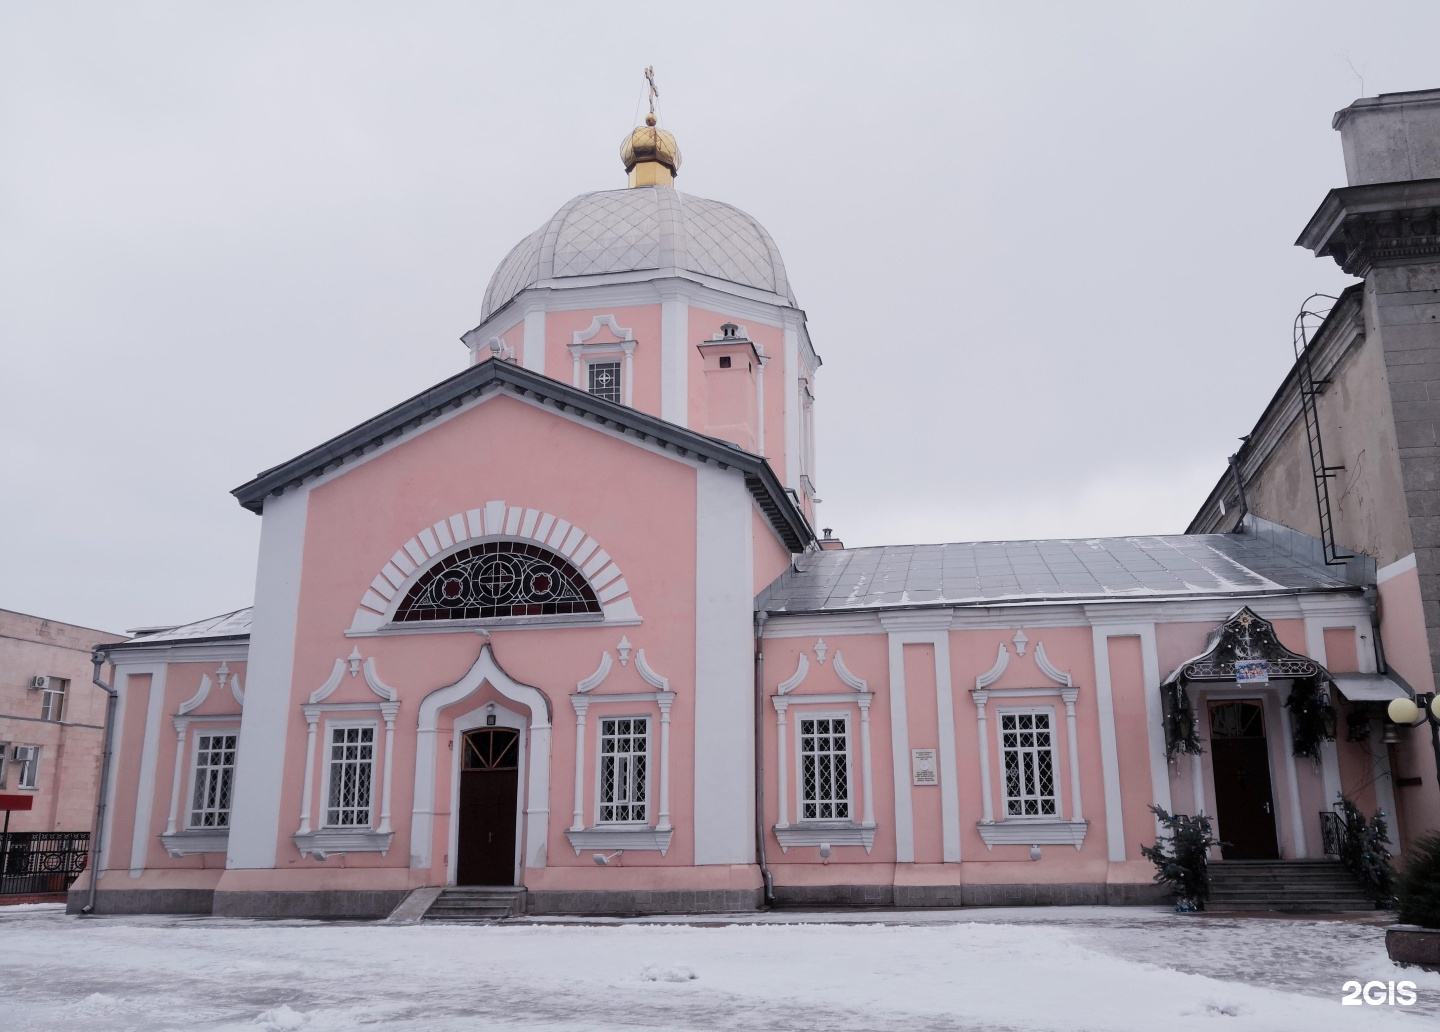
x: 641, y: 230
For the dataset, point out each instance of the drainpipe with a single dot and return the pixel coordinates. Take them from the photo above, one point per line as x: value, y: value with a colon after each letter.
x: 1239, y: 490
x: 760, y: 619
x: 98, y: 659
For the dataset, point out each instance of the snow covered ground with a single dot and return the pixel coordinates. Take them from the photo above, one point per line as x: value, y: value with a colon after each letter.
x: 1026, y: 969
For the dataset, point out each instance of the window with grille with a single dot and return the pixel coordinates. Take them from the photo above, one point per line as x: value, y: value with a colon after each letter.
x: 1027, y: 749
x: 52, y: 700
x: 603, y: 380
x: 27, y: 757
x: 352, y: 768
x: 624, y: 745
x: 824, y: 770
x: 214, y: 780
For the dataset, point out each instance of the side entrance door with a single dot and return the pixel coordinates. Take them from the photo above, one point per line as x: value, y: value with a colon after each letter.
x: 489, y: 797
x: 1240, y: 758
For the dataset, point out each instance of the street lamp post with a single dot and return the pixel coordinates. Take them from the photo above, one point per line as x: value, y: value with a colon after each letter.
x: 1410, y: 713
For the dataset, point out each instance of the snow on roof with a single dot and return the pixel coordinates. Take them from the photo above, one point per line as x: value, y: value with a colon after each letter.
x: 226, y: 625
x: 1067, y: 570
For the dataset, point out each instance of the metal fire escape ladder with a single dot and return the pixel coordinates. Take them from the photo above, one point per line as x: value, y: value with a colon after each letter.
x: 1306, y: 322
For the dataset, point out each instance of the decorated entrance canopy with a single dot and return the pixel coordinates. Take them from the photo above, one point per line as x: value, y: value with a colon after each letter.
x: 1244, y: 650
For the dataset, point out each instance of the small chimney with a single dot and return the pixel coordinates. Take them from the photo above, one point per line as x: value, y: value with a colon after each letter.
x: 829, y: 542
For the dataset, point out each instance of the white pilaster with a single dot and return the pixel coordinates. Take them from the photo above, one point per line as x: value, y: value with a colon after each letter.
x: 1292, y: 779
x: 665, y: 700
x: 149, y: 761
x: 865, y: 764
x: 582, y: 707
x: 1068, y: 696
x: 534, y: 356
x: 987, y: 802
x: 724, y: 677
x: 265, y: 720
x: 307, y: 794
x: 388, y: 711
x: 790, y: 378
x: 675, y: 360
x: 1109, y: 754
x: 899, y: 752
x: 180, y: 725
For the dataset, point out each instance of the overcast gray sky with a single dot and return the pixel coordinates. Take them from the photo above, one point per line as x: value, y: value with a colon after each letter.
x: 1046, y: 251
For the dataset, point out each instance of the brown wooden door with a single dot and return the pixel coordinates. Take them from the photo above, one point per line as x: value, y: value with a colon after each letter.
x: 1240, y: 759
x: 489, y: 795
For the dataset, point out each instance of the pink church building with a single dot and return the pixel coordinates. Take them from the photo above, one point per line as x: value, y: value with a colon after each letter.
x: 556, y: 635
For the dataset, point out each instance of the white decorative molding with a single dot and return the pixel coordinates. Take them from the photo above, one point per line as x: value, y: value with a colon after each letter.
x: 834, y: 833
x: 654, y: 680
x: 602, y: 322
x: 858, y: 683
x: 989, y: 677
x: 328, y: 842
x: 821, y: 649
x: 223, y: 673
x: 793, y: 681
x: 237, y: 690
x: 199, y: 697
x: 495, y: 520
x: 1048, y: 668
x: 623, y: 649
x: 601, y: 672
x: 337, y: 674
x: 499, y: 349
x: 1020, y: 641
x: 378, y: 686
x: 305, y: 838
x: 197, y: 840
x: 354, y: 659
x: 637, y: 839
x: 581, y: 349
x: 1028, y: 831
x: 485, y: 670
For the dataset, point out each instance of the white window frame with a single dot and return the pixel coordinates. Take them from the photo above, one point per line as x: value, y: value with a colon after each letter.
x: 849, y: 760
x: 656, y: 832
x: 316, y: 837
x: 181, y: 838
x: 52, y: 711
x: 326, y: 804
x: 1048, y: 712
x: 1046, y: 829
x: 27, y: 758
x: 195, y: 784
x: 4, y: 762
x: 600, y: 756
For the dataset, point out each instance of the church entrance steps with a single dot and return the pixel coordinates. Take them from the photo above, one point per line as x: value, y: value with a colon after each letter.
x: 1287, y: 886
x: 469, y: 904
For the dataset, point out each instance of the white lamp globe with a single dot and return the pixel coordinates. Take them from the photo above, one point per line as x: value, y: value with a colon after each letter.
x: 1403, y: 711
x: 1435, y: 706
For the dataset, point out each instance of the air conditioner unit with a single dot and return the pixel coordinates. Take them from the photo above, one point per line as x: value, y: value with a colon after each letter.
x: 39, y: 682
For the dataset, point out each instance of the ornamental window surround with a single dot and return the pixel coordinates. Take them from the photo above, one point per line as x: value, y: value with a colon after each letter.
x: 605, y: 369
x: 824, y: 768
x: 345, y: 738
x: 631, y: 801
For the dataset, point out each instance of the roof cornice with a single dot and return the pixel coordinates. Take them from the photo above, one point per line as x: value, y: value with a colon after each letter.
x: 494, y: 375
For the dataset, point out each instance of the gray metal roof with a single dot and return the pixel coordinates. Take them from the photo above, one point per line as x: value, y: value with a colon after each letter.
x: 647, y: 228
x: 1068, y: 570
x: 226, y: 625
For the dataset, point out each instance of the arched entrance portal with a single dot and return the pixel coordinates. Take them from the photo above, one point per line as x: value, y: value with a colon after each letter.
x: 489, y: 792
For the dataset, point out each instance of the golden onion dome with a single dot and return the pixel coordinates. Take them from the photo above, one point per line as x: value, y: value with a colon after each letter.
x: 651, y: 155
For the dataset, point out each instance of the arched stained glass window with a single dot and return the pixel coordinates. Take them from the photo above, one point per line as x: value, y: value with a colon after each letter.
x: 496, y: 579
